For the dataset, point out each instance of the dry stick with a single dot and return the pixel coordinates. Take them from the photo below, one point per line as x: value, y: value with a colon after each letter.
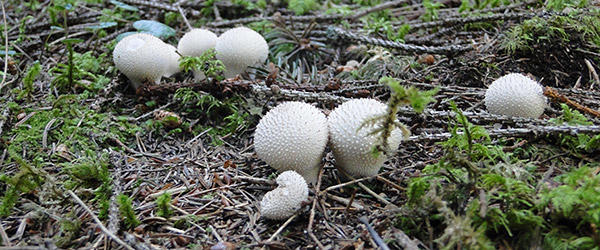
x: 555, y: 96
x: 311, y: 217
x: 98, y: 222
x: 376, y: 8
x: 593, y: 72
x: 5, y: 240
x: 374, y: 233
x: 2, y: 121
x: 285, y: 224
x: 184, y: 18
x: 368, y: 190
x: 5, y: 46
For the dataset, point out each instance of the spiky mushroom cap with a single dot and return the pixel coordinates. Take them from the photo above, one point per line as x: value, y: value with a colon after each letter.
x: 351, y: 139
x: 515, y: 95
x: 282, y: 202
x: 239, y: 48
x: 142, y: 58
x: 194, y: 43
x: 292, y: 136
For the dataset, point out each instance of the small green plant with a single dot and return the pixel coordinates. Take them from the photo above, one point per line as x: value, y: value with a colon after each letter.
x: 431, y: 10
x: 580, y: 143
x: 127, y: 213
x: 163, y: 204
x: 556, y: 30
x: 32, y: 73
x: 400, y: 96
x: 576, y: 202
x: 221, y: 117
x: 207, y: 63
x: 300, y: 7
x: 26, y: 180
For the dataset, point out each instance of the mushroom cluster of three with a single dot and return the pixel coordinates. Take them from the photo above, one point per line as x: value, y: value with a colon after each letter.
x: 292, y: 137
x: 144, y: 58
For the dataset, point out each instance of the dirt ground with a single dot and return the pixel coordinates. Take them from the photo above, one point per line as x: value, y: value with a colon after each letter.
x: 78, y: 143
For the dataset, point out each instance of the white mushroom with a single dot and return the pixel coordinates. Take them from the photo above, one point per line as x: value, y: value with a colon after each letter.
x: 196, y: 42
x: 142, y: 58
x: 292, y: 136
x: 286, y: 199
x: 515, y: 95
x: 239, y: 48
x: 352, y: 145
x: 172, y: 61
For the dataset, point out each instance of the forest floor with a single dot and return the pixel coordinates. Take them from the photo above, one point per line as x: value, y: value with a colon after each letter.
x: 86, y: 161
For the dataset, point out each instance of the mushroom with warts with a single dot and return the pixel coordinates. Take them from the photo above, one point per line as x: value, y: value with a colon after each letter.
x: 239, y: 48
x: 351, y: 139
x: 515, y: 95
x: 194, y: 43
x: 141, y: 57
x: 286, y: 199
x: 172, y: 61
x: 292, y: 136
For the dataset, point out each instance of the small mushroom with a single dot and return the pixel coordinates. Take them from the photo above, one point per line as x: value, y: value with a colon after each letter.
x: 286, y: 199
x: 515, y: 95
x: 292, y: 136
x: 196, y: 42
x: 239, y: 48
x: 351, y: 139
x: 142, y: 58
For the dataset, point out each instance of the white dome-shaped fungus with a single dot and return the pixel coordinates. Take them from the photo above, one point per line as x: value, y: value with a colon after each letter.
x: 142, y: 58
x: 515, y: 95
x: 239, y: 48
x: 292, y: 136
x: 172, y: 61
x: 282, y: 202
x: 353, y: 147
x: 196, y: 42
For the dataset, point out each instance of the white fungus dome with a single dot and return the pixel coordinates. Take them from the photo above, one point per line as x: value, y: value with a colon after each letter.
x: 352, y: 147
x: 194, y: 43
x: 292, y: 136
x: 282, y: 202
x: 239, y: 48
x: 142, y: 58
x: 515, y: 95
x: 172, y: 61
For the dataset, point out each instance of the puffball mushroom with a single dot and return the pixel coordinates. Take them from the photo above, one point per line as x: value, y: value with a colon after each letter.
x: 239, y: 48
x: 196, y: 42
x: 292, y: 136
x: 352, y: 145
x: 515, y: 95
x: 282, y: 202
x: 172, y: 61
x: 142, y: 58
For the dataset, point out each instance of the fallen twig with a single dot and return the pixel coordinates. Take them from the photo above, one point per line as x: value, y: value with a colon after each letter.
x: 98, y: 222
x: 4, y: 236
x: 378, y: 240
x: 557, y: 97
x: 311, y: 217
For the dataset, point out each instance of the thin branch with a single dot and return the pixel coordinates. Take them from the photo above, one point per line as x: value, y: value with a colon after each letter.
x: 5, y: 239
x: 311, y: 217
x: 557, y: 97
x: 374, y: 233
x: 98, y: 222
x: 5, y: 46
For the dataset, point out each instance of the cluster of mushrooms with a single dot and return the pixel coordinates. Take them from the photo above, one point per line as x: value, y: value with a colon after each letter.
x: 144, y: 58
x: 292, y: 137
